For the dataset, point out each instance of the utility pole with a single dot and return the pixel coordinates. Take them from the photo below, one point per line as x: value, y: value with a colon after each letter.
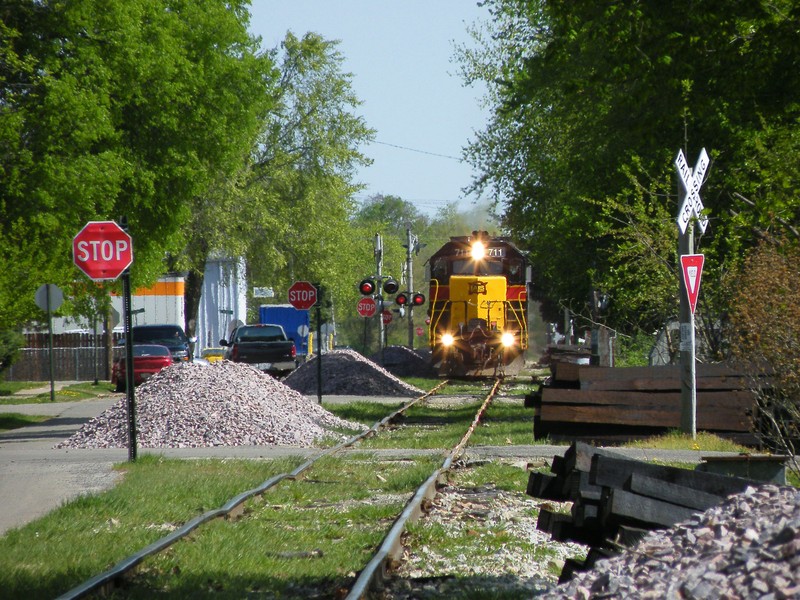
x: 379, y: 274
x: 410, y: 244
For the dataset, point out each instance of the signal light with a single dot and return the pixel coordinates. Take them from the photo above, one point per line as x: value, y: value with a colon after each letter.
x: 366, y: 287
x: 401, y: 299
x: 390, y: 286
x: 418, y: 299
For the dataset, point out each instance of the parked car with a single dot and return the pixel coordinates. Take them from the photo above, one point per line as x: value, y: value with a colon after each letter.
x: 171, y: 336
x: 265, y: 346
x: 148, y: 359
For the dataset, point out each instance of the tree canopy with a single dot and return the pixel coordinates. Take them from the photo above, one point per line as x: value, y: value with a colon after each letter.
x: 591, y: 102
x: 130, y: 109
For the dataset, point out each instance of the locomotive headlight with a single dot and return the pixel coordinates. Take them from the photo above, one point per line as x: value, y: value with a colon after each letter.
x: 478, y: 251
x: 507, y: 339
x: 447, y: 339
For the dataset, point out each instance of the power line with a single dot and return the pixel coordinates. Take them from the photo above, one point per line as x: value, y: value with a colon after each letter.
x: 418, y: 151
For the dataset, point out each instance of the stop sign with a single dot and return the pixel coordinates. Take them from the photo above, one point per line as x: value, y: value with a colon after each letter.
x: 302, y: 295
x: 102, y: 250
x: 366, y: 307
x: 386, y: 316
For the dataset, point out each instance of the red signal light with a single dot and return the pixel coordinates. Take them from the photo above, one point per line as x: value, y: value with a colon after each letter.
x: 401, y: 299
x: 418, y: 299
x: 366, y: 287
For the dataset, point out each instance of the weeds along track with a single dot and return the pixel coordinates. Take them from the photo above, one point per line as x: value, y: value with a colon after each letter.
x: 388, y: 551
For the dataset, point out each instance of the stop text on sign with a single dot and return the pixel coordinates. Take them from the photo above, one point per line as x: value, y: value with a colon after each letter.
x: 102, y: 250
x: 106, y: 250
x: 302, y: 295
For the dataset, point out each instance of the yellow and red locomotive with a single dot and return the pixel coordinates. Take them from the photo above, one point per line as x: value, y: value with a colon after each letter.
x: 478, y: 306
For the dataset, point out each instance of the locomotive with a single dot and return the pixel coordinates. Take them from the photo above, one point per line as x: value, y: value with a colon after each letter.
x: 478, y: 306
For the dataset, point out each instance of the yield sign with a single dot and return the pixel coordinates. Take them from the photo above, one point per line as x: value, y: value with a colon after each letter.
x: 692, y: 265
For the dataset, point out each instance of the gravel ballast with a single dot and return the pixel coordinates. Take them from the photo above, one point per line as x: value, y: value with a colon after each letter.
x: 348, y: 373
x: 221, y: 404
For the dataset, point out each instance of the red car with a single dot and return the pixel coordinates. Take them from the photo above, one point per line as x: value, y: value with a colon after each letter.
x: 148, y: 359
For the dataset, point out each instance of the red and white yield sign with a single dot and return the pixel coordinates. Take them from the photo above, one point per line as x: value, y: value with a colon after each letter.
x: 102, y: 250
x: 367, y: 307
x: 302, y: 295
x: 692, y: 265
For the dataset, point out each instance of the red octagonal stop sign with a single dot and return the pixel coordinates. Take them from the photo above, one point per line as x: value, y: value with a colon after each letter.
x: 102, y: 250
x: 302, y: 295
x: 366, y: 307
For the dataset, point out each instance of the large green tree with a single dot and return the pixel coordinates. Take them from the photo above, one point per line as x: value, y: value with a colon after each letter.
x: 298, y: 190
x: 591, y: 103
x: 111, y: 109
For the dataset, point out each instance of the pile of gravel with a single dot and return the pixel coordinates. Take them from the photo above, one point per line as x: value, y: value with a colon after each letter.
x: 747, y: 547
x: 348, y: 373
x: 221, y: 404
x: 405, y: 362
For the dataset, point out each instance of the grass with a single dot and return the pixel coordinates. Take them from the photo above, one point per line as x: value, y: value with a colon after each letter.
x: 51, y: 555
x: 676, y: 440
x: 317, y: 530
x: 312, y: 533
x: 9, y: 421
x: 7, y: 388
x: 85, y: 390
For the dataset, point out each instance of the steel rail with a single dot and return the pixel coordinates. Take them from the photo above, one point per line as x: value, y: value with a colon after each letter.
x: 375, y: 570
x: 107, y: 580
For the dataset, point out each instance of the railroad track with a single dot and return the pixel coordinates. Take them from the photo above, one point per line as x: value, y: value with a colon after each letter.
x: 388, y: 551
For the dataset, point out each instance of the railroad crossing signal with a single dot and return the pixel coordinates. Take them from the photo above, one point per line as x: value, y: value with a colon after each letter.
x: 404, y: 298
x: 692, y: 181
x: 366, y: 287
x: 102, y: 250
x: 302, y: 295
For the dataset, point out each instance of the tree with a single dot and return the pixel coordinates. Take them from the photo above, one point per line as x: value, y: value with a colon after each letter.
x: 591, y: 102
x: 289, y: 212
x: 116, y: 109
x: 765, y: 329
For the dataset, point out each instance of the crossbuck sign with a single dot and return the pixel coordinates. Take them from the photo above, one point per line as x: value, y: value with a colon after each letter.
x: 692, y: 181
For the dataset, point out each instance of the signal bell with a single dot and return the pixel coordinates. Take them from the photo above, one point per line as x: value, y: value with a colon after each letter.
x: 390, y: 286
x: 366, y: 287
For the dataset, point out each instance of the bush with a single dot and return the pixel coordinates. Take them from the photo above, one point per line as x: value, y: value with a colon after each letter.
x: 765, y: 340
x: 10, y: 343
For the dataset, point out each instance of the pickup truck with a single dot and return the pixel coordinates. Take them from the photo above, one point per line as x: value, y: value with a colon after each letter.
x: 266, y: 347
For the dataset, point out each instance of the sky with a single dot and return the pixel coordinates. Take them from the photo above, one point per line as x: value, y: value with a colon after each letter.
x: 401, y: 56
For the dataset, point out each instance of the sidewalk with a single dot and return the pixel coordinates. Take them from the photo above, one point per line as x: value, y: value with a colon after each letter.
x: 45, y: 389
x: 35, y: 478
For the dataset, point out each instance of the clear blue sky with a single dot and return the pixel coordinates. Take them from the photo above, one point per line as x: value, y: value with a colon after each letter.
x: 401, y: 56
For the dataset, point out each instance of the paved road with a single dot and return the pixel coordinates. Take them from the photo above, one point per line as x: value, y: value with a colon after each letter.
x: 36, y: 478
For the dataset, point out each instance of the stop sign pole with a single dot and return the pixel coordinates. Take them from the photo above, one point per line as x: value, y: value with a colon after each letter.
x: 103, y: 250
x: 303, y: 295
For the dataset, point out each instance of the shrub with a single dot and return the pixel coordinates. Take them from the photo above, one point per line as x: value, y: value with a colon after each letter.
x: 765, y: 338
x: 10, y: 343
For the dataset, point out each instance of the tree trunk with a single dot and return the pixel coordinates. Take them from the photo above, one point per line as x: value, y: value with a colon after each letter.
x: 191, y: 300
